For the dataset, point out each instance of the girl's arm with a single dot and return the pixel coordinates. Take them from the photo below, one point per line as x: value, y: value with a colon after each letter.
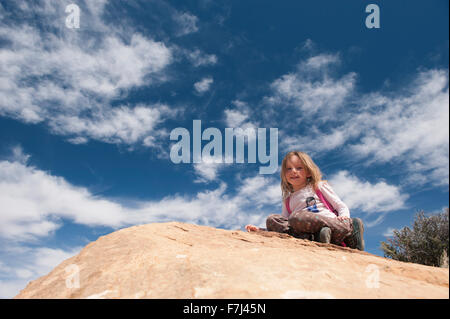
x: 334, y: 199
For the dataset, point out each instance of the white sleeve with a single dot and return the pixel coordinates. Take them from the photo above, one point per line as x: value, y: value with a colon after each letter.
x: 334, y: 199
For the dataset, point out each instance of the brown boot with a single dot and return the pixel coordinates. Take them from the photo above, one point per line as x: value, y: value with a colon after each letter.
x: 325, y: 235
x: 356, y: 239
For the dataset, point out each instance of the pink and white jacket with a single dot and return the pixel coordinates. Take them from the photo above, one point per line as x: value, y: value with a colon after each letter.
x: 306, y: 199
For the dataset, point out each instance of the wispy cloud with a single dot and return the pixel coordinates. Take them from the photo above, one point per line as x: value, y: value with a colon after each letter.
x: 203, y: 85
x: 187, y: 23
x: 319, y: 62
x: 311, y: 90
x: 368, y: 197
x: 260, y: 190
x: 68, y: 78
x: 389, y: 232
x: 119, y: 125
x: 240, y: 115
x: 410, y: 125
x: 237, y: 118
x: 34, y: 202
x: 18, y: 155
x: 199, y: 58
x: 412, y: 128
x: 207, y: 172
x: 374, y: 200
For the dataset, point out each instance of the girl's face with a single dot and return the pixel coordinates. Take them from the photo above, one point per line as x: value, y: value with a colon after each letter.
x: 296, y: 174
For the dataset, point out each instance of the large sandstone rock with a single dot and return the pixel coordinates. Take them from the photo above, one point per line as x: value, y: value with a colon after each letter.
x: 177, y: 260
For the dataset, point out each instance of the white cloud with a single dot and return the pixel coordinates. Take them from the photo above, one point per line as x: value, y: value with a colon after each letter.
x: 240, y: 117
x: 235, y: 118
x: 363, y: 196
x: 198, y: 58
x: 324, y: 95
x: 260, y: 190
x: 320, y: 62
x: 207, y: 171
x: 409, y: 126
x: 69, y: 80
x: 78, y: 140
x: 118, y: 125
x: 308, y: 45
x: 34, y: 203
x: 413, y: 128
x: 187, y: 23
x: 18, y: 155
x: 389, y: 232
x: 314, y: 140
x: 311, y: 90
x: 203, y: 85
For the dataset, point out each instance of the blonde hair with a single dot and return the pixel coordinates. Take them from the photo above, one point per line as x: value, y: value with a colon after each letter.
x: 311, y: 169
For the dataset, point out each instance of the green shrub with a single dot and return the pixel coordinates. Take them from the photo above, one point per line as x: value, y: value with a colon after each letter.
x: 426, y: 243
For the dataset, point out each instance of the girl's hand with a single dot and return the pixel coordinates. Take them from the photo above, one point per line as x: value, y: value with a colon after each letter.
x: 342, y: 218
x: 250, y: 228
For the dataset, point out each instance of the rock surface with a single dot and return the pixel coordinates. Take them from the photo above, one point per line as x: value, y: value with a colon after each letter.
x: 178, y: 260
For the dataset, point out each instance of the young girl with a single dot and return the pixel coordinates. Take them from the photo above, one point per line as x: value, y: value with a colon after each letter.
x: 311, y: 207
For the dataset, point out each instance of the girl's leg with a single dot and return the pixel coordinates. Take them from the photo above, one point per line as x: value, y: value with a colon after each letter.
x: 280, y: 224
x: 277, y: 223
x: 307, y: 222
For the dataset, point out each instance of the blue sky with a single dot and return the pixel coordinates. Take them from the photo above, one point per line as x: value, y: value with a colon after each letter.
x: 86, y: 115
